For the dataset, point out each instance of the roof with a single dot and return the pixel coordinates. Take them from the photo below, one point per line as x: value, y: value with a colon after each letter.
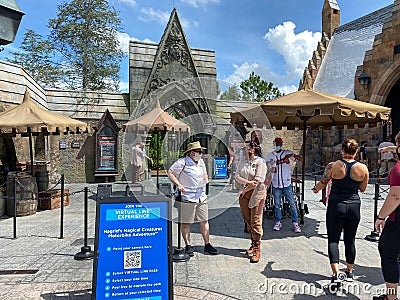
x: 333, y: 4
x: 375, y: 18
x: 346, y: 51
x: 11, y: 4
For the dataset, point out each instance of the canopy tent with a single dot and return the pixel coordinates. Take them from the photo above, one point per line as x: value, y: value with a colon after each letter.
x: 309, y: 108
x: 28, y: 118
x: 157, y: 120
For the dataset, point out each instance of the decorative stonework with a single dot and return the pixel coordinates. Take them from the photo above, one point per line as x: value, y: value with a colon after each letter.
x: 173, y: 61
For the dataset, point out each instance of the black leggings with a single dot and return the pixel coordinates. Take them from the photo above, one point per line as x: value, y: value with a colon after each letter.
x: 389, y: 249
x: 342, y: 216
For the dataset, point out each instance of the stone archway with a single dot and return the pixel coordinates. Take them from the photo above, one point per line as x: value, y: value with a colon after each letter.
x: 387, y: 93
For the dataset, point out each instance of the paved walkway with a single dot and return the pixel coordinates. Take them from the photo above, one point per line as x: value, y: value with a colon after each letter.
x: 292, y: 266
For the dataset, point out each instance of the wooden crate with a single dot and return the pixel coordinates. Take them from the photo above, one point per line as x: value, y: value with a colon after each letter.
x: 52, y: 199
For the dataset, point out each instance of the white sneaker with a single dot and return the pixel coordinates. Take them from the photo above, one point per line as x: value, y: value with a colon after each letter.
x: 296, y: 227
x: 277, y: 226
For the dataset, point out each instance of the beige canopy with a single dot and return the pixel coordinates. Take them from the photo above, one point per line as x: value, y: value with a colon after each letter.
x: 156, y: 119
x: 29, y: 117
x: 37, y: 119
x: 306, y: 108
x: 317, y: 108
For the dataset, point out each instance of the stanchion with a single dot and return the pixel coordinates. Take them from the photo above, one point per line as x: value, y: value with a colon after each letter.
x: 86, y: 252
x: 179, y: 254
x: 374, y: 235
x: 15, y: 207
x: 62, y: 208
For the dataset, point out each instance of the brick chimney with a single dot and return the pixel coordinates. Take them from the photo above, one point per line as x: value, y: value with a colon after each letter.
x: 330, y: 17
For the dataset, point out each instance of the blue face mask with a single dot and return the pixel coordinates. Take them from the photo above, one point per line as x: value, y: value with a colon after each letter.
x: 278, y: 148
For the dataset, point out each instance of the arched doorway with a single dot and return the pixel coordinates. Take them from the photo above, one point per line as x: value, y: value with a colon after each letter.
x: 393, y: 101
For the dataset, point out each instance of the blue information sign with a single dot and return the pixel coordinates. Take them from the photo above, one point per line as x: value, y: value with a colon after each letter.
x: 220, y: 167
x: 132, y: 258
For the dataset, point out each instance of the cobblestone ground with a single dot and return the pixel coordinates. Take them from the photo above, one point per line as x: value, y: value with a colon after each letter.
x: 292, y: 266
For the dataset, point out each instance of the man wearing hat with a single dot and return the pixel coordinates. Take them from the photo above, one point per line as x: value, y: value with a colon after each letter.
x: 189, y: 175
x: 282, y: 183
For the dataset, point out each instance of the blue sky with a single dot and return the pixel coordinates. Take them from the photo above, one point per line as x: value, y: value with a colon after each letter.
x: 273, y: 38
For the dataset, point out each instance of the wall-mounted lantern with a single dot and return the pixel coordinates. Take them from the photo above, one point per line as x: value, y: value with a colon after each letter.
x: 364, y: 79
x: 10, y: 18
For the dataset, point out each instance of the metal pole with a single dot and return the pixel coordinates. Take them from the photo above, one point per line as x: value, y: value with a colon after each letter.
x: 15, y: 207
x: 374, y: 235
x: 86, y: 251
x: 30, y: 150
x: 62, y: 208
x: 303, y: 171
x: 157, y: 163
x: 179, y: 254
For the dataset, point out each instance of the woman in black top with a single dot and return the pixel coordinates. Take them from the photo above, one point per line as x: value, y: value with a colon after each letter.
x: 343, y: 212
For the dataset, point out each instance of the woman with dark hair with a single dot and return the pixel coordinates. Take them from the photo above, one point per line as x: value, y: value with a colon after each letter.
x: 251, y: 175
x: 343, y: 211
x: 388, y: 222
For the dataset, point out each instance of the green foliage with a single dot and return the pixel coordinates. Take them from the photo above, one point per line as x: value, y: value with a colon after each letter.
x: 82, y: 51
x: 156, y: 145
x: 256, y: 89
x: 36, y: 58
x: 232, y: 93
x: 85, y: 33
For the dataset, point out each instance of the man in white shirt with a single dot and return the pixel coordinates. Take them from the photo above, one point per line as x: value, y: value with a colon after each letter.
x: 282, y: 183
x: 386, y: 160
x: 136, y: 162
x: 189, y: 174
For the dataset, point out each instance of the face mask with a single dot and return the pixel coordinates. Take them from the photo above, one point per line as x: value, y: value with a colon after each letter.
x: 197, y: 156
x: 278, y: 148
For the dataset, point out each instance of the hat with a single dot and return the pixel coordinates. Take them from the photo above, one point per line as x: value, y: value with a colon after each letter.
x: 279, y: 140
x: 193, y: 146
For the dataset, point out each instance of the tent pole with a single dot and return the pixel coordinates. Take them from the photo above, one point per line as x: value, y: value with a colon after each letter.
x: 157, y: 158
x: 303, y: 171
x: 30, y: 150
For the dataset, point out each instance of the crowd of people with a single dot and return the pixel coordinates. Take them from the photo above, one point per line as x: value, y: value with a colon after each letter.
x: 253, y: 173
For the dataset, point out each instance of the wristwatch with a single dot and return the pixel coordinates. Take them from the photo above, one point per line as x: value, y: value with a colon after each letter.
x: 382, y: 219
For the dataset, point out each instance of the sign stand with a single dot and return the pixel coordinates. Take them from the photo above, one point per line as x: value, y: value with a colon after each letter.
x: 132, y: 246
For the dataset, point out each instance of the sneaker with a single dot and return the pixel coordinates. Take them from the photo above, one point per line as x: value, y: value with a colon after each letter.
x: 210, y: 249
x: 277, y: 226
x: 296, y: 227
x: 189, y: 250
x: 335, y: 284
x: 349, y: 276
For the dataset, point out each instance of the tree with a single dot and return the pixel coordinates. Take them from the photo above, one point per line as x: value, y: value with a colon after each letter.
x: 85, y: 34
x: 232, y: 93
x: 256, y: 89
x: 36, y: 58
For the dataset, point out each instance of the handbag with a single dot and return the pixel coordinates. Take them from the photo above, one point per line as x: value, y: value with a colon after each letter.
x: 178, y: 196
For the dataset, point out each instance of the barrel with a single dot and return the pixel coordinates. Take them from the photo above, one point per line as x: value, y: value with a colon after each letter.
x: 42, y: 180
x: 26, y: 195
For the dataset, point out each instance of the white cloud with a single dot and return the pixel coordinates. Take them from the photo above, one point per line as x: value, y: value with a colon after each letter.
x: 132, y: 3
x: 243, y: 71
x: 296, y: 49
x: 124, y: 39
x: 162, y: 17
x: 124, y: 86
x: 150, y: 14
x: 197, y: 3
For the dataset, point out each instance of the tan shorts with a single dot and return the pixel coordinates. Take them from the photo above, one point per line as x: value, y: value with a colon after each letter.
x: 191, y: 211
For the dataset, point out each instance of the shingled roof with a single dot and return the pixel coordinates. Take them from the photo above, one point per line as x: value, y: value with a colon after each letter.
x: 346, y: 51
x: 374, y: 18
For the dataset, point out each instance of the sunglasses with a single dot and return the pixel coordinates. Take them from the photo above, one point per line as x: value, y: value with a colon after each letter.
x: 197, y: 151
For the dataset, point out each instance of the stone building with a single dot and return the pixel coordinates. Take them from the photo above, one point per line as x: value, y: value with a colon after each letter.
x: 183, y: 79
x: 359, y: 60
